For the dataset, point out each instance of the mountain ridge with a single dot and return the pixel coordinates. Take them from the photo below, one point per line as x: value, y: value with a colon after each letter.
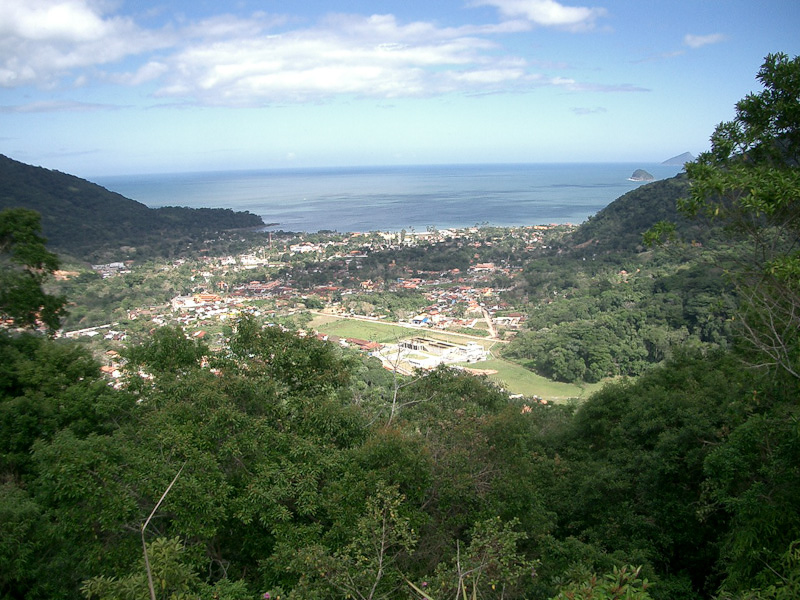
x: 620, y: 225
x: 679, y: 160
x: 85, y: 220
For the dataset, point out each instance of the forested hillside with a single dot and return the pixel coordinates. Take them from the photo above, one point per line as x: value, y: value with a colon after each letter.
x: 86, y: 221
x: 280, y: 466
x: 620, y: 225
x: 607, y: 304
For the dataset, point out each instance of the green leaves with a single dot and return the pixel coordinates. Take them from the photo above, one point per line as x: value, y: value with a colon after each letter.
x: 366, y: 566
x: 173, y: 576
x: 623, y: 583
x: 25, y: 265
x: 168, y: 350
x: 750, y: 182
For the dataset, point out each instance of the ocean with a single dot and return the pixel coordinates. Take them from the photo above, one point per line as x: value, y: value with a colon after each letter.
x: 396, y: 198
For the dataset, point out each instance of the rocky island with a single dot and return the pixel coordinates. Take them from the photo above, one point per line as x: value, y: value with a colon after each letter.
x: 679, y: 161
x: 641, y: 175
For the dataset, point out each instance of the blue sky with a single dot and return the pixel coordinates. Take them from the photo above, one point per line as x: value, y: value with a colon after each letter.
x: 105, y: 87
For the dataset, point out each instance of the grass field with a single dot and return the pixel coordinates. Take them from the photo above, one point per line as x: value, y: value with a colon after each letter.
x: 519, y: 380
x: 386, y: 333
x: 514, y: 378
x: 363, y: 330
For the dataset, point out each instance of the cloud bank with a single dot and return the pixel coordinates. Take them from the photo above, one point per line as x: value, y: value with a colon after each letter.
x: 42, y: 41
x: 227, y: 60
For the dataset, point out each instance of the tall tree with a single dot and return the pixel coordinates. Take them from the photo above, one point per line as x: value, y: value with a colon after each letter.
x: 750, y: 179
x: 25, y: 264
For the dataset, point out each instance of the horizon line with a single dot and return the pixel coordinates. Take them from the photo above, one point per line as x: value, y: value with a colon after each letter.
x: 379, y: 167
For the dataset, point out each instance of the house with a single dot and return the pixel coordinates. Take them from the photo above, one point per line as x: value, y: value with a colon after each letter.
x: 364, y: 345
x: 206, y: 298
x: 484, y: 267
x: 303, y: 248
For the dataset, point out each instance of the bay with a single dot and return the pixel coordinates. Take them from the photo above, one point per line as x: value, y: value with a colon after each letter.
x: 394, y: 198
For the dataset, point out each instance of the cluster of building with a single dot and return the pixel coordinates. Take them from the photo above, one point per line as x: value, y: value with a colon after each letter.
x: 424, y: 353
x: 457, y: 300
x: 114, y: 268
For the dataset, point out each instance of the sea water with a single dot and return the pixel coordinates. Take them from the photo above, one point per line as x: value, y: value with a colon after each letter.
x: 396, y: 198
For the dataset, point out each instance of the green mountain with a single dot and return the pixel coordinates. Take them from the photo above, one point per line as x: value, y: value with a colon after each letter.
x: 89, y: 222
x: 619, y: 226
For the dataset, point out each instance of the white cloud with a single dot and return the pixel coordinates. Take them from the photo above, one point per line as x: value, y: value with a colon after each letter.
x: 70, y: 20
x: 488, y: 76
x: 147, y: 72
x: 43, y: 40
x: 226, y: 26
x: 547, y: 13
x: 698, y: 41
x: 227, y: 60
x: 363, y: 56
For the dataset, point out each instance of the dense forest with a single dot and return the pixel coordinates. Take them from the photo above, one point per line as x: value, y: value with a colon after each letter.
x: 88, y: 222
x: 283, y: 466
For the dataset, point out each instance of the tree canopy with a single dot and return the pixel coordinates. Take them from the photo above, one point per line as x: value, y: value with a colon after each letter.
x: 750, y: 181
x: 25, y: 265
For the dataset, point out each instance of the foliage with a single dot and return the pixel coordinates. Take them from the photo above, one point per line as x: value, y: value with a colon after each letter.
x: 98, y: 301
x: 20, y: 531
x: 750, y: 181
x: 753, y: 478
x: 784, y: 580
x: 173, y: 578
x: 489, y: 567
x: 467, y: 491
x: 167, y: 350
x: 621, y: 323
x: 47, y: 387
x: 306, y: 364
x: 632, y: 465
x: 25, y: 264
x: 366, y: 566
x: 621, y: 584
x: 619, y: 226
x: 87, y: 221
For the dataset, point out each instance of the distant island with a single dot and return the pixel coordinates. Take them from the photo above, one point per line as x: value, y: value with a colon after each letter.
x: 679, y: 161
x: 641, y: 175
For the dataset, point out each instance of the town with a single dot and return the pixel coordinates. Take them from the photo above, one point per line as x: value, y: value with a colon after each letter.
x: 428, y: 311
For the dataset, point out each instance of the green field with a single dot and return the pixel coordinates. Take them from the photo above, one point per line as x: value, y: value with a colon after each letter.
x: 513, y: 377
x: 362, y: 330
x: 519, y: 380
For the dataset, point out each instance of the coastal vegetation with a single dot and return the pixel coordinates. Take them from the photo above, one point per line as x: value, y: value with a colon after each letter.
x: 211, y: 439
x: 85, y: 221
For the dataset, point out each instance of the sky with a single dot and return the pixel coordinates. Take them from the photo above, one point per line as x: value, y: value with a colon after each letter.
x: 116, y: 87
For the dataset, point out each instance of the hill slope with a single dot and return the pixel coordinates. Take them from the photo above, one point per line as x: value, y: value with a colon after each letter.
x: 89, y: 222
x: 680, y: 160
x: 619, y: 226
